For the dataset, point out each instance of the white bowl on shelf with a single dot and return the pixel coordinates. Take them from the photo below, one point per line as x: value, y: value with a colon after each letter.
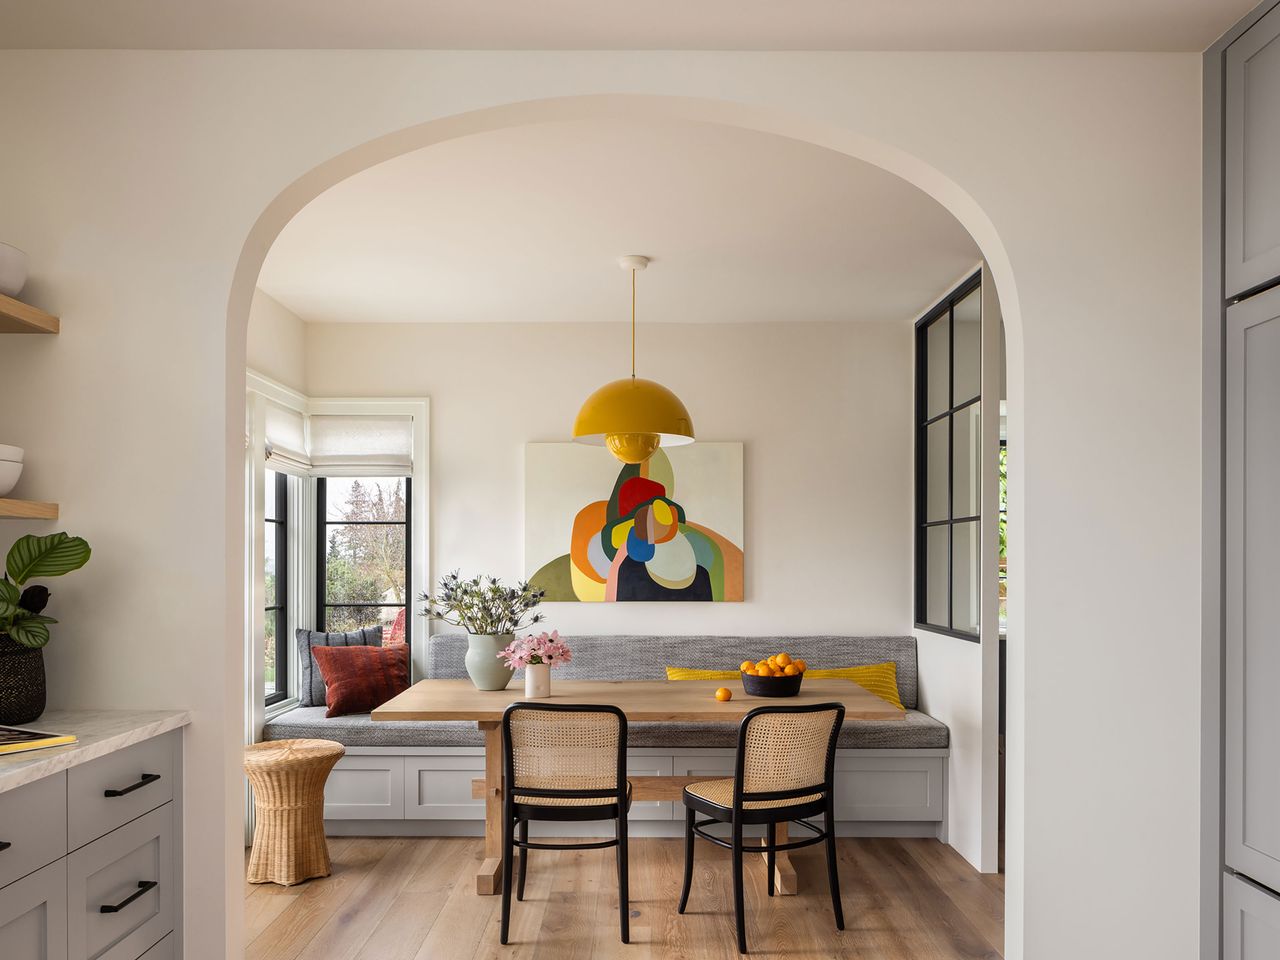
x: 13, y: 270
x: 11, y: 453
x: 10, y: 471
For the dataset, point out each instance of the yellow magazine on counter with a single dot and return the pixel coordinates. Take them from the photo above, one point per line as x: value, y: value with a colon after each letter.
x: 16, y: 740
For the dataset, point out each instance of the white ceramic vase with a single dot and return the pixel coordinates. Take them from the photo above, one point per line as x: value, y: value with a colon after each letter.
x: 537, y: 681
x: 13, y: 270
x: 10, y: 468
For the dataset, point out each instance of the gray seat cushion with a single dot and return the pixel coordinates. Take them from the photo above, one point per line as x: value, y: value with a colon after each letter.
x: 360, y: 730
x: 646, y: 658
x: 917, y: 732
x: 310, y: 682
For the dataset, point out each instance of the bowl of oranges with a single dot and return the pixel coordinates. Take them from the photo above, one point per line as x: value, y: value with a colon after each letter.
x: 775, y: 676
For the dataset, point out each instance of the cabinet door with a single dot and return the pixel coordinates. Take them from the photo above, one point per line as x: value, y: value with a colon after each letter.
x: 1250, y: 921
x: 33, y: 915
x: 1251, y: 597
x: 1253, y: 156
x: 365, y: 788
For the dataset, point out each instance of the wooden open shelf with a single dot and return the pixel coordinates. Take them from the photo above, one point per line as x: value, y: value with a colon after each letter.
x: 19, y: 317
x: 28, y: 510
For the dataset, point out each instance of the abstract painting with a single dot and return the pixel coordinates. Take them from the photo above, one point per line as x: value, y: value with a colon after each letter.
x: 670, y: 528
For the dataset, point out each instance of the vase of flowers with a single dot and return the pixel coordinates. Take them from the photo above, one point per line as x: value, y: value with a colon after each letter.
x: 537, y: 654
x: 491, y: 613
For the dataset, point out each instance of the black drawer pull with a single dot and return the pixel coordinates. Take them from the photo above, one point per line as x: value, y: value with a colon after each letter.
x: 5, y: 845
x: 143, y: 887
x: 146, y: 778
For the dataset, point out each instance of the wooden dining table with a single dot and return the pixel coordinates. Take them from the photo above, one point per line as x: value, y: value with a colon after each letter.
x: 684, y: 701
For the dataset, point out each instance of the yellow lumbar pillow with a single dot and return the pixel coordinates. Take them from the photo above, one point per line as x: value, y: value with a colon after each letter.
x: 692, y: 673
x: 878, y: 678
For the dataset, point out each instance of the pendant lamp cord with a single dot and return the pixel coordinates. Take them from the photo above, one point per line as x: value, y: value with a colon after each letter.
x: 633, y: 323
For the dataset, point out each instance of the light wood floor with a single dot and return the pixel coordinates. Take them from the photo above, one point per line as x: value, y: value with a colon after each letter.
x: 414, y: 899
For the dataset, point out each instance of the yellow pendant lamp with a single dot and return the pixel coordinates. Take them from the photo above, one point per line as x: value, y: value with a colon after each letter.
x: 633, y: 416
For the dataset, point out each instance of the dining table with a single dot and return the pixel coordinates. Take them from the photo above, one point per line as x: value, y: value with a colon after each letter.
x: 682, y: 701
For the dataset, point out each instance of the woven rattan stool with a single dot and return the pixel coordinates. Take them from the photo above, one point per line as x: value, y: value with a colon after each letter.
x: 288, y: 796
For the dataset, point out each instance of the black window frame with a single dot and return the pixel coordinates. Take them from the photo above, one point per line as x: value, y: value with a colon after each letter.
x: 322, y: 550
x: 943, y: 310
x: 280, y: 609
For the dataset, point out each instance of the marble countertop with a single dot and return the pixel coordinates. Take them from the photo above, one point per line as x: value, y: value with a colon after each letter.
x: 99, y: 731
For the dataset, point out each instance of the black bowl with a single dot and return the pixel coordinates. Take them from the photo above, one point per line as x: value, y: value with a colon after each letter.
x: 771, y: 686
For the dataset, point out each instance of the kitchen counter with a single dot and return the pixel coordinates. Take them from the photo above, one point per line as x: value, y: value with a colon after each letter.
x: 100, y: 732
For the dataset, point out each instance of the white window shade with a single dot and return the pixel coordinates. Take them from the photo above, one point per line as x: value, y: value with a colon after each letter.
x: 351, y: 445
x: 286, y: 430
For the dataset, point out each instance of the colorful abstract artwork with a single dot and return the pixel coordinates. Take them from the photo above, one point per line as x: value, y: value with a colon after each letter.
x: 670, y: 528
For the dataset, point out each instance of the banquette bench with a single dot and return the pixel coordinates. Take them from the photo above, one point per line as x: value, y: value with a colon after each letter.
x: 414, y: 777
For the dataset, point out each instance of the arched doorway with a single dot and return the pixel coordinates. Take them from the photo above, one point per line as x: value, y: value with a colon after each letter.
x: 923, y: 176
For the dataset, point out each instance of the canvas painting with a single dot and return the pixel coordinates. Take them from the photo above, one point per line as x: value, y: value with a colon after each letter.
x: 601, y: 531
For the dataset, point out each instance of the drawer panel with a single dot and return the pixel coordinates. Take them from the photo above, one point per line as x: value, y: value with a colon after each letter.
x: 142, y: 775
x: 33, y: 915
x: 111, y: 871
x: 365, y: 788
x: 33, y: 826
x: 439, y: 788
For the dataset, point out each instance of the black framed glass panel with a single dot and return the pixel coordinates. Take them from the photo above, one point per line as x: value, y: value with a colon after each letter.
x: 948, y: 463
x: 275, y: 653
x: 364, y: 560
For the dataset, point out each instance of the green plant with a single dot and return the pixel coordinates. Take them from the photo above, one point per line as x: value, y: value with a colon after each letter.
x: 22, y: 610
x: 482, y: 605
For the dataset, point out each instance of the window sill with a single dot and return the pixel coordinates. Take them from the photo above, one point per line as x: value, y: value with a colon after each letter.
x: 284, y: 706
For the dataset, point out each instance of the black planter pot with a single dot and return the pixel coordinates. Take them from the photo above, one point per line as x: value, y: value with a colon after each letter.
x: 22, y: 685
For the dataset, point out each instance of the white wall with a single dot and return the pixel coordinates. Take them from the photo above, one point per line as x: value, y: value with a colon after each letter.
x: 823, y: 411
x: 143, y: 178
x: 276, y: 346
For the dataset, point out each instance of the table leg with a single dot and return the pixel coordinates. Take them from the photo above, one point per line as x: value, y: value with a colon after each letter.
x: 489, y: 878
x: 784, y: 874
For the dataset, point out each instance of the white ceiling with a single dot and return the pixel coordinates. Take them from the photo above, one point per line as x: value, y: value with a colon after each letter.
x: 610, y: 25
x: 526, y: 223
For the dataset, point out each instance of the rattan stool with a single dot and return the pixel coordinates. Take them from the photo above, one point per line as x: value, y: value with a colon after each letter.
x: 288, y: 796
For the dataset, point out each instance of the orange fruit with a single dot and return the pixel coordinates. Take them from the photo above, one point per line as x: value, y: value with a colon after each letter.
x: 790, y: 670
x: 800, y: 665
x: 763, y: 665
x: 784, y: 659
x: 773, y: 660
x: 723, y: 694
x: 764, y: 671
x: 747, y: 667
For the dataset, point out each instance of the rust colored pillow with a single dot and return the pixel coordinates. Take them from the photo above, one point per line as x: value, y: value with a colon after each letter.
x: 357, y: 679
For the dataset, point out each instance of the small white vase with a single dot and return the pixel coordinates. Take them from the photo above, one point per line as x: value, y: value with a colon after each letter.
x: 13, y: 270
x: 537, y: 681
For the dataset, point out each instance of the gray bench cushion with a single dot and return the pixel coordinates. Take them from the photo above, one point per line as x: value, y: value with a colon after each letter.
x: 917, y: 732
x: 646, y: 658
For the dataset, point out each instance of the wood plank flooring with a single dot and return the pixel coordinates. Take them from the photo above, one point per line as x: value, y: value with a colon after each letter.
x: 414, y: 899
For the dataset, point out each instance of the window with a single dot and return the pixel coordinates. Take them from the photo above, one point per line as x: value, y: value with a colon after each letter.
x: 363, y: 560
x: 948, y: 463
x: 275, y: 654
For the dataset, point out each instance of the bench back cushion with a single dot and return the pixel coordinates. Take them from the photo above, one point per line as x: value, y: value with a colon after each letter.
x: 646, y: 658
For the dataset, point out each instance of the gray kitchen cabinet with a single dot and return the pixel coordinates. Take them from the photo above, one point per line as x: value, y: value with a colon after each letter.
x: 1252, y: 157
x: 33, y: 915
x: 1251, y: 600
x: 1250, y: 921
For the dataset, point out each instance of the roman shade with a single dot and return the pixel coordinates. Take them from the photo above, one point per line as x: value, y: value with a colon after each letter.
x: 366, y: 446
x: 286, y: 431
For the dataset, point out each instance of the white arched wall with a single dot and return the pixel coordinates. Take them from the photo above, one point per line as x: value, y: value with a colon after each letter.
x: 141, y: 174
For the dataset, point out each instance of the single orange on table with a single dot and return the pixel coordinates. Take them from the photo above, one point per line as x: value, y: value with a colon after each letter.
x: 723, y: 694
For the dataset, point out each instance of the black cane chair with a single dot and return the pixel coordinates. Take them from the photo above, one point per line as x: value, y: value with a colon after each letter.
x: 784, y: 772
x: 563, y: 762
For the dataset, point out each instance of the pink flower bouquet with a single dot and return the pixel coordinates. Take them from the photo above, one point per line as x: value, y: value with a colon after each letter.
x: 545, y: 648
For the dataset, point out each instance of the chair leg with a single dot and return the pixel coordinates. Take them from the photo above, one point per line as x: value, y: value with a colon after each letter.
x: 524, y: 856
x: 739, y: 907
x: 624, y: 900
x: 833, y: 873
x: 771, y: 856
x: 688, y: 859
x: 508, y: 853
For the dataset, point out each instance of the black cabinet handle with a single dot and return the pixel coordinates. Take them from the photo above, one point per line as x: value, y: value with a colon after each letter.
x: 143, y: 887
x: 5, y: 845
x: 146, y: 778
